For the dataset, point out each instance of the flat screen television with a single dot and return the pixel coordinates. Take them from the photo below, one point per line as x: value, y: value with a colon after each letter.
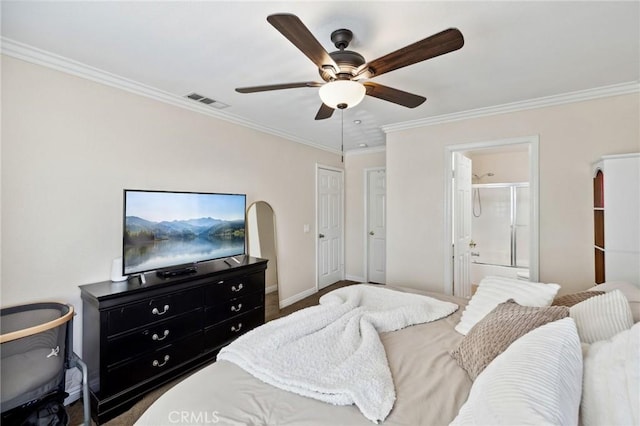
x: 163, y: 229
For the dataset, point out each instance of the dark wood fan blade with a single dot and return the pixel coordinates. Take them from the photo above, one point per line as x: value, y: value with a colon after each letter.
x: 396, y: 96
x: 277, y: 87
x: 324, y: 112
x: 297, y: 33
x: 436, y: 45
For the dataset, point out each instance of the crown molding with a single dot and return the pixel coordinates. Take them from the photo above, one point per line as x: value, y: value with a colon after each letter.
x: 543, y: 102
x: 41, y: 57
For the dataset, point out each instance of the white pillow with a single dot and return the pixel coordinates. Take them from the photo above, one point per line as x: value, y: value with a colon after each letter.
x: 537, y: 380
x: 630, y: 291
x: 602, y: 317
x: 611, y: 386
x: 494, y: 290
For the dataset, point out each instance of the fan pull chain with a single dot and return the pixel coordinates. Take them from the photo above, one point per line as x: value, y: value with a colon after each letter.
x: 342, y: 135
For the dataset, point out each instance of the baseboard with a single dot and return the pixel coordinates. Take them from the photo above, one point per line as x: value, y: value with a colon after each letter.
x: 74, y: 395
x: 73, y: 385
x: 271, y: 289
x: 293, y: 299
x: 354, y: 278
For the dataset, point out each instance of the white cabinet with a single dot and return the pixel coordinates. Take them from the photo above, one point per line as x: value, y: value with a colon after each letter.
x: 617, y: 217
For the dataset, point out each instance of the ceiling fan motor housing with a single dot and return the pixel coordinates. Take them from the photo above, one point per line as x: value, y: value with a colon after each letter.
x: 348, y: 61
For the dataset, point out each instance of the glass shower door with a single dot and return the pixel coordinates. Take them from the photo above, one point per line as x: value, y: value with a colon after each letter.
x: 500, y: 226
x: 522, y: 226
x: 491, y: 226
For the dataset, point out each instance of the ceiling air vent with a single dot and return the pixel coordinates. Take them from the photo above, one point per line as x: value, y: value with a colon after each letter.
x: 207, y: 101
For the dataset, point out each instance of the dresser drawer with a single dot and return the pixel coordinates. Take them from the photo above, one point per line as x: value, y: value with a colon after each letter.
x: 232, y: 308
x: 152, y: 364
x: 152, y: 310
x: 153, y: 336
x: 220, y: 334
x: 225, y: 289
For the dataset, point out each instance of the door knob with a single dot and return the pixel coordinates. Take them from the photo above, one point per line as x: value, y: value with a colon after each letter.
x: 321, y: 236
x: 372, y: 233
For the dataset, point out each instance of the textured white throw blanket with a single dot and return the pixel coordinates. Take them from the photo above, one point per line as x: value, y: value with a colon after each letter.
x: 332, y: 352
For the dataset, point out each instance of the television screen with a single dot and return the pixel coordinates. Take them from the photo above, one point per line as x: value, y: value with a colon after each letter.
x: 164, y: 229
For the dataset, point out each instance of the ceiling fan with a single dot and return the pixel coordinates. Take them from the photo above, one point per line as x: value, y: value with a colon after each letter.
x: 343, y: 71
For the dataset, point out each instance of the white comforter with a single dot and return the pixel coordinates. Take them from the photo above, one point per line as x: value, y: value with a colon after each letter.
x: 332, y: 352
x: 611, y: 388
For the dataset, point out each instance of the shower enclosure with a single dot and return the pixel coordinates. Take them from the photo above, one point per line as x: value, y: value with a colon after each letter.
x: 500, y: 230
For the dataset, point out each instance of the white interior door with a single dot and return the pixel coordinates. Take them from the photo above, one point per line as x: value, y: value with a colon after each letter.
x: 330, y: 226
x: 461, y: 225
x: 376, y: 233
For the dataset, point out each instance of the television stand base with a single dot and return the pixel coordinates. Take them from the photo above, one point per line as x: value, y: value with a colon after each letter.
x: 177, y: 272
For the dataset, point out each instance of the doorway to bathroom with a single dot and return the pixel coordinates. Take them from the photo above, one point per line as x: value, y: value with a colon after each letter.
x: 492, y: 212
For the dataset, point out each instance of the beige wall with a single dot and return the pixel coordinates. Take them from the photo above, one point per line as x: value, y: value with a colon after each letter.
x: 70, y: 146
x: 355, y: 164
x: 572, y: 137
x: 506, y: 167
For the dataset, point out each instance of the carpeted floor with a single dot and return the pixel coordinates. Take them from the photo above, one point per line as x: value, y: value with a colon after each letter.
x: 272, y: 311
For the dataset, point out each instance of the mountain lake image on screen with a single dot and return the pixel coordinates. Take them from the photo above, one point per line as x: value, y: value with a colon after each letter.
x: 163, y: 229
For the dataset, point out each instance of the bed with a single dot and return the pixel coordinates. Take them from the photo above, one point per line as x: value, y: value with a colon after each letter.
x: 431, y: 387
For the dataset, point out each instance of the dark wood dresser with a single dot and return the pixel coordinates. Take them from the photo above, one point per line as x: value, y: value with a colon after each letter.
x: 137, y: 337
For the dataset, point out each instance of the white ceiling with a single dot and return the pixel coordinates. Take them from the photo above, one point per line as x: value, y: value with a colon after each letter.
x: 513, y: 52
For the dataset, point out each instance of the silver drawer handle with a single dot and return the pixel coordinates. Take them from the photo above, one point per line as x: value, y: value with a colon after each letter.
x: 236, y: 308
x: 236, y: 289
x: 158, y: 338
x: 156, y: 363
x: 155, y: 311
x: 234, y: 329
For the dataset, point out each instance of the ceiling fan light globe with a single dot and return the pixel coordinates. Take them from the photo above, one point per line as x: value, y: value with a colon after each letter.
x: 340, y: 92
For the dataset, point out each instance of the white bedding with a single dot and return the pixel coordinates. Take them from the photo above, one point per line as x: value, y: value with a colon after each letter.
x: 611, y: 391
x: 430, y: 388
x: 332, y: 352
